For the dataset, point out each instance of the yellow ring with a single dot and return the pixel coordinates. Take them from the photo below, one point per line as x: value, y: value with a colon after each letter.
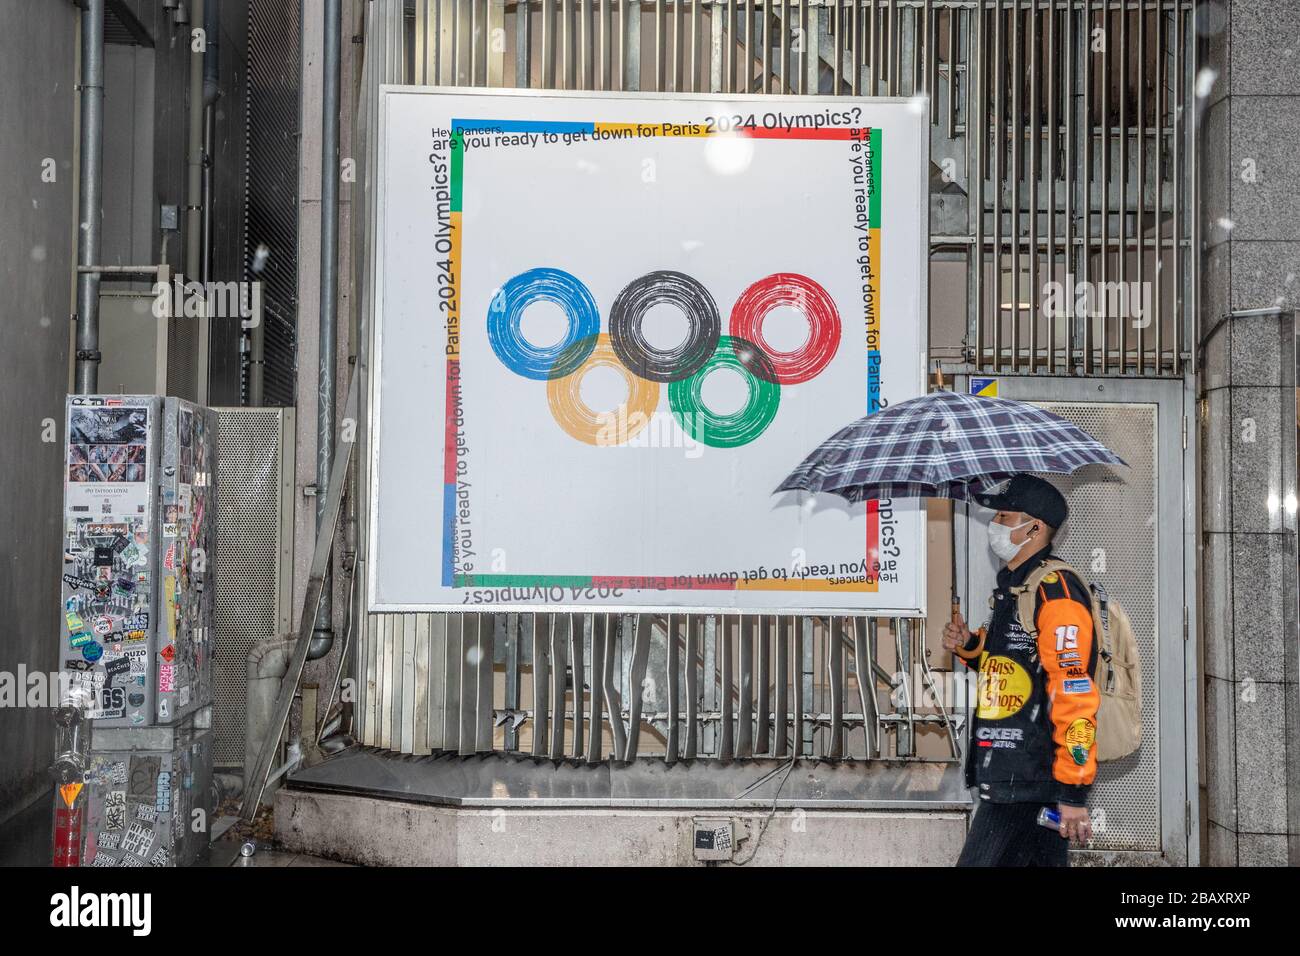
x: 602, y: 428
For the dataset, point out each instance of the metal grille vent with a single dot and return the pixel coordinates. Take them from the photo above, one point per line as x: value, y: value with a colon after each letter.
x: 1111, y: 538
x: 271, y: 185
x: 248, y: 562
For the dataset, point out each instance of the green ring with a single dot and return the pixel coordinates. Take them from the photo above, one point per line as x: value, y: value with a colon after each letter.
x: 725, y: 431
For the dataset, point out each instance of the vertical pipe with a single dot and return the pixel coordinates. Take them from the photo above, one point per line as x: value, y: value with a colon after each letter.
x: 952, y: 80
x: 672, y: 657
x: 855, y: 60
x: 762, y: 678
x: 692, y: 686
x: 1069, y: 84
x: 977, y: 138
x: 577, y: 638
x: 91, y: 184
x: 323, y: 635
x: 782, y: 681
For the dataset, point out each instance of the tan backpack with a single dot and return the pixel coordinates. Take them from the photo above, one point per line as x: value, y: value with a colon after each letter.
x: 1119, y: 667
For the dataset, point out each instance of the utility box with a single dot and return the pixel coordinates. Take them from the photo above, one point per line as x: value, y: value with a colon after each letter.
x: 149, y: 797
x: 713, y: 839
x: 139, y: 506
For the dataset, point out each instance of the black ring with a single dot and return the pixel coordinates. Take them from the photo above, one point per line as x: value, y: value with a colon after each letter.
x: 629, y: 311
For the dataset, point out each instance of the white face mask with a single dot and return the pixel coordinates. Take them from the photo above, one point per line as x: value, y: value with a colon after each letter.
x: 1000, y: 539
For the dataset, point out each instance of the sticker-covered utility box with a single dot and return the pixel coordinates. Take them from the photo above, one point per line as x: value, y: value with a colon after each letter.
x: 149, y: 796
x: 139, y: 530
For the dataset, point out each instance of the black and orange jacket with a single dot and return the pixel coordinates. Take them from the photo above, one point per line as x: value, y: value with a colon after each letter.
x: 1035, y: 722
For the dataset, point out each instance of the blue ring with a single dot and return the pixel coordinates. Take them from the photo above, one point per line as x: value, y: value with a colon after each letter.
x: 506, y: 312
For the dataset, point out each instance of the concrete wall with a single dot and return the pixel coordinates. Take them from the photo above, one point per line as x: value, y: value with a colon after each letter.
x: 380, y: 832
x: 38, y: 52
x: 1251, y: 227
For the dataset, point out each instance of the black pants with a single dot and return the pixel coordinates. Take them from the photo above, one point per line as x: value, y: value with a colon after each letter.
x: 1008, y: 834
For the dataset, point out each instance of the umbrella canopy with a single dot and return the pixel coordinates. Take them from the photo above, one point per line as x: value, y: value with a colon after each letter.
x: 945, y: 445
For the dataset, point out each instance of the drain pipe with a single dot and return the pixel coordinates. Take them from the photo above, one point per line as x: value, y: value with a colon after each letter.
x: 323, y: 635
x: 211, y: 93
x: 268, y: 662
x: 193, y: 261
x: 92, y: 158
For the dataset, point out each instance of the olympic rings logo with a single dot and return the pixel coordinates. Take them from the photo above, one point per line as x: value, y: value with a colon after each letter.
x: 683, y: 368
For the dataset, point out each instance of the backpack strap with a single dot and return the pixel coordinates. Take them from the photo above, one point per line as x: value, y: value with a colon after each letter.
x: 1026, y: 594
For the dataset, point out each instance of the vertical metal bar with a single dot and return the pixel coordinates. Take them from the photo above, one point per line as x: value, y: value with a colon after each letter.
x: 523, y: 46
x: 630, y: 45
x: 1103, y: 299
x: 805, y: 678
x: 483, y: 673
x: 999, y: 144
x: 873, y: 647
x: 1087, y: 130
x: 661, y: 45
x: 835, y: 665
x: 437, y: 681
x: 695, y: 45
x: 906, y: 737
x: 467, y: 734
x: 865, y: 668
x: 595, y: 747
x: 727, y: 628
x: 454, y: 654
x: 1069, y: 89
x: 692, y: 685
x: 542, y: 626
x: 836, y: 27
x: 548, y: 44
x: 513, y: 638
x: 953, y: 20
x: 977, y: 138
x: 799, y: 633
x: 636, y: 685
x: 855, y: 60
x: 1123, y: 318
x: 1035, y: 155
x: 1053, y: 139
x: 1139, y: 227
x: 783, y: 630
x: 876, y: 71
x: 406, y: 664
x: 613, y: 701
x: 711, y: 728
x: 762, y: 677
x: 930, y: 33
x: 745, y: 687
x: 891, y: 38
x: 672, y: 658
x: 1158, y: 171
x: 1017, y: 171
x: 420, y: 743
x: 1179, y: 45
x: 578, y: 627
x: 561, y: 628
x: 749, y: 48
x: 783, y: 63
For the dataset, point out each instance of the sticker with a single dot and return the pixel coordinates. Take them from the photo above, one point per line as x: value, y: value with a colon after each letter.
x: 115, y: 668
x: 1051, y: 577
x: 137, y: 622
x: 115, y: 809
x: 145, y: 813
x: 79, y: 638
x: 159, y: 858
x: 185, y: 695
x: 984, y: 387
x: 75, y: 623
x: 75, y: 665
x: 136, y: 635
x: 117, y: 772
x: 166, y: 678
x: 1080, y: 685
x: 69, y: 793
x: 164, y: 797
x: 168, y: 653
x: 135, y: 700
x: 138, y: 839
x: 103, y: 859
x: 1079, y: 737
x: 109, y: 841
x: 164, y: 709
x: 93, y: 651
x: 1004, y: 687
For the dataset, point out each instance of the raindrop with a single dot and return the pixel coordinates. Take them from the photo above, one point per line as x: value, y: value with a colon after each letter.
x: 260, y: 257
x: 1205, y: 81
x: 45, y: 321
x: 38, y: 253
x: 1226, y: 224
x: 728, y: 153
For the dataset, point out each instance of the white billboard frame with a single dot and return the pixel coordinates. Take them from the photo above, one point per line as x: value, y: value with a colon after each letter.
x: 919, y: 106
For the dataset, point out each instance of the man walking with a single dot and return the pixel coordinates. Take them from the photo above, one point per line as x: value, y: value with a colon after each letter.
x: 1035, y: 724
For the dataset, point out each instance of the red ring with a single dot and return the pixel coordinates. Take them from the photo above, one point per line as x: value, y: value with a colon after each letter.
x: 801, y: 293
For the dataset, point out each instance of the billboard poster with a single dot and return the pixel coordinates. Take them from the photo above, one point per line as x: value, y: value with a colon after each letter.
x: 607, y: 327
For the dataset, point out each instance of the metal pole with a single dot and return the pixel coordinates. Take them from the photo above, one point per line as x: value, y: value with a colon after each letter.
x: 92, y: 157
x: 323, y: 636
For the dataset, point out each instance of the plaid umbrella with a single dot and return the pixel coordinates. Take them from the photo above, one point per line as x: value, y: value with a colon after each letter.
x: 944, y: 445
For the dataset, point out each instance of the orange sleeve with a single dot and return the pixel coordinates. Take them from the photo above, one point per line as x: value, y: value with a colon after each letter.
x: 1065, y: 649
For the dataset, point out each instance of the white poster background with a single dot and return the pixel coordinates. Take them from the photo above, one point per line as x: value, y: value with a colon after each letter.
x: 547, y: 512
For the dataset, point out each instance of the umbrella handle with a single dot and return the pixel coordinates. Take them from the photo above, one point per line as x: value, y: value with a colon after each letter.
x: 979, y: 648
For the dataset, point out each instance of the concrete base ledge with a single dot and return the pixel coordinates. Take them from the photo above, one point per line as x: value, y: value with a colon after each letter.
x: 381, y: 831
